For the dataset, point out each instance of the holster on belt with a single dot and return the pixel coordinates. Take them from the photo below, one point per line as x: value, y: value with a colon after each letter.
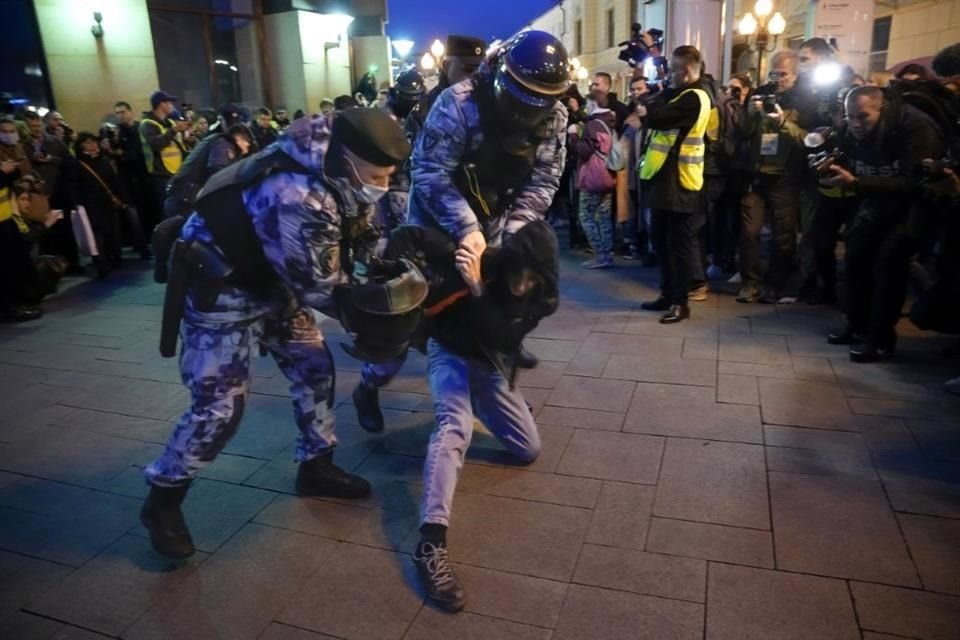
x: 197, y: 270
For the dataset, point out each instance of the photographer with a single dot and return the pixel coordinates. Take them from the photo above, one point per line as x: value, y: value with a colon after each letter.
x: 776, y: 165
x: 164, y: 141
x: 890, y: 140
x: 672, y: 177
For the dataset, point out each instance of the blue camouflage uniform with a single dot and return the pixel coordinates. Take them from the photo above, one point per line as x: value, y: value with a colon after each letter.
x: 298, y: 221
x: 452, y: 130
x: 464, y: 387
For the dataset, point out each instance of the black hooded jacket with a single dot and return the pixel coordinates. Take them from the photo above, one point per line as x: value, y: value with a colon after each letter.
x: 497, y: 321
x: 886, y: 161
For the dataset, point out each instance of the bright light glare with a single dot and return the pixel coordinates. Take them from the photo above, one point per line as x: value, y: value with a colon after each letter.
x: 582, y: 73
x: 827, y: 73
x: 427, y: 62
x: 748, y: 25
x: 763, y: 8
x: 403, y: 47
x: 437, y: 49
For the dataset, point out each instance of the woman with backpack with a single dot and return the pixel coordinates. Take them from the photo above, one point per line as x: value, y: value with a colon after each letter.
x: 596, y: 182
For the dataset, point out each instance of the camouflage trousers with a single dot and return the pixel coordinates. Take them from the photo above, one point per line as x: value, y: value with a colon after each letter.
x: 464, y: 389
x: 215, y: 367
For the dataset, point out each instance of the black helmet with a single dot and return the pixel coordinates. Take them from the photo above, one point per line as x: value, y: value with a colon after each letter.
x: 407, y: 92
x: 532, y: 73
x: 382, y: 314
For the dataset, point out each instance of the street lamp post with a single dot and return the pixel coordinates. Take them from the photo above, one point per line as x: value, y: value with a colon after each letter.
x: 763, y: 28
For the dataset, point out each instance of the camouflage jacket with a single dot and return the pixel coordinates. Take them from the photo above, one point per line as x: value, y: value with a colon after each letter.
x: 298, y: 217
x: 452, y: 130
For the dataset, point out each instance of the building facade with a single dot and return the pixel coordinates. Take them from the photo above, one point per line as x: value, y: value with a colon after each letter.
x: 274, y: 53
x: 898, y: 30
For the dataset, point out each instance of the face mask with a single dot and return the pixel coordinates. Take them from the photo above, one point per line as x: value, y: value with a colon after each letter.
x: 366, y: 193
x: 9, y: 138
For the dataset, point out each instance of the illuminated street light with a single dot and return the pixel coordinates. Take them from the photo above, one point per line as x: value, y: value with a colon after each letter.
x: 777, y: 24
x: 427, y: 63
x: 582, y: 73
x: 763, y: 8
x: 748, y: 25
x: 437, y: 49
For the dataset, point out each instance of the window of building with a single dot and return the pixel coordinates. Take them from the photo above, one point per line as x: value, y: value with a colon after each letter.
x: 611, y: 28
x: 23, y: 74
x: 880, y: 44
x: 578, y: 37
x: 208, y: 51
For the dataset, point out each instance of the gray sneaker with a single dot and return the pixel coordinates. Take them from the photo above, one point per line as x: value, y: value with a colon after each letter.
x: 748, y: 294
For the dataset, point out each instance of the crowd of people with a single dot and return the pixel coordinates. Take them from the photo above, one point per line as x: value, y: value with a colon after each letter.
x: 67, y: 196
x: 759, y: 184
x: 422, y: 219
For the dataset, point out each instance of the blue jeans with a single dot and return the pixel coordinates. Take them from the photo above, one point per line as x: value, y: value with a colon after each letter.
x: 463, y: 388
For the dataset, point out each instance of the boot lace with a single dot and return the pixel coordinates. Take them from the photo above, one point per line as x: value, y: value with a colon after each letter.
x: 436, y: 559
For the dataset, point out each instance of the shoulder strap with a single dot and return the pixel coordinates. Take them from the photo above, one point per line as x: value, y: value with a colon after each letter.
x: 220, y: 204
x: 100, y: 180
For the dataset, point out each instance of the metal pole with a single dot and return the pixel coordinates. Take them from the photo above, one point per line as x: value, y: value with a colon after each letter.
x: 728, y: 10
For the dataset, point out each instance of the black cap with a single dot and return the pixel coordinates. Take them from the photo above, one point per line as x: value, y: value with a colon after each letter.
x: 372, y: 135
x: 161, y: 96
x: 471, y: 50
x: 232, y: 114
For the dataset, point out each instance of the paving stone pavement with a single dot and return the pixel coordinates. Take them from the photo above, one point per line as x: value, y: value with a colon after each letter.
x: 731, y: 477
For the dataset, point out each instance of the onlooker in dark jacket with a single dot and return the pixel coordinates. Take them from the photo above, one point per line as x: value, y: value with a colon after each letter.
x: 262, y: 128
x: 891, y: 140
x: 97, y: 188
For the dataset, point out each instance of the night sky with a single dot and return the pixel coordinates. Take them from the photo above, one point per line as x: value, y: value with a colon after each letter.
x: 424, y: 20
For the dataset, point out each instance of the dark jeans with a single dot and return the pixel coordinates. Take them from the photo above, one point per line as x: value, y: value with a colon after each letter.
x: 781, y: 194
x: 158, y: 195
x: 141, y: 191
x: 715, y: 187
x: 878, y: 251
x: 18, y: 275
x: 830, y: 215
x: 675, y: 241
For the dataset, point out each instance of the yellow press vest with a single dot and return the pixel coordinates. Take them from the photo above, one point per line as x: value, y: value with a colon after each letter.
x: 692, y: 148
x: 171, y: 155
x: 6, y: 204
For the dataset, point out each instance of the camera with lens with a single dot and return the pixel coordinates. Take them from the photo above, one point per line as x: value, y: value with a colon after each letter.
x: 934, y: 170
x: 826, y: 150
x: 766, y: 95
x: 635, y: 51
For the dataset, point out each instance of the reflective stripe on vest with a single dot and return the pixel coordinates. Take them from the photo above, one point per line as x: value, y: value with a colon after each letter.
x: 6, y: 205
x: 691, y: 153
x: 171, y: 155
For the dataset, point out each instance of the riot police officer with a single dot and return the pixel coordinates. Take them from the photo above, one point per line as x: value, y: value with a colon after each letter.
x: 487, y: 163
x: 463, y: 56
x: 271, y: 237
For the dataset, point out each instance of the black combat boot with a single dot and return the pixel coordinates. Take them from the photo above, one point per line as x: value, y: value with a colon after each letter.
x: 524, y: 359
x: 367, y: 402
x: 162, y: 517
x: 320, y: 477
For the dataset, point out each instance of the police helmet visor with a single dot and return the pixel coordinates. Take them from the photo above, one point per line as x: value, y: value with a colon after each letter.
x: 518, y: 106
